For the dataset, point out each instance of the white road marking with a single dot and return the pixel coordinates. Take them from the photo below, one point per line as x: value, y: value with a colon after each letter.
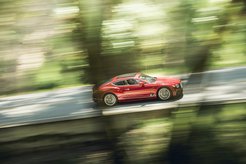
x: 83, y: 111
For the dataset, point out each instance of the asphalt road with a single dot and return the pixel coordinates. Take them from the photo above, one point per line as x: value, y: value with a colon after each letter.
x: 76, y: 102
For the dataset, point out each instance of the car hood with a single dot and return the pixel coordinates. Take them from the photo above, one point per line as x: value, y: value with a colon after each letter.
x: 167, y: 80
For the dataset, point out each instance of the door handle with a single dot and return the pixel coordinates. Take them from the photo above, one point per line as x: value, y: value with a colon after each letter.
x: 127, y: 89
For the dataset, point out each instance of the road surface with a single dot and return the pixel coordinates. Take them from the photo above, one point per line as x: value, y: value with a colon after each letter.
x: 76, y: 102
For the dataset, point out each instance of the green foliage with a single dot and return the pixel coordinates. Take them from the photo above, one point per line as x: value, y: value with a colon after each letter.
x: 48, y: 76
x: 89, y: 41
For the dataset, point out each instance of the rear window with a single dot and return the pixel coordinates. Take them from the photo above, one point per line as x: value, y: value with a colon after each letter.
x: 120, y: 82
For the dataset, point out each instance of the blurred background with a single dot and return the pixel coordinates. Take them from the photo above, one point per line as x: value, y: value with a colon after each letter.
x: 55, y: 44
x: 49, y: 44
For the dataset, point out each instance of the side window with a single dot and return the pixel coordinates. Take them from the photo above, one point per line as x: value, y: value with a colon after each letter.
x: 120, y: 83
x: 132, y: 81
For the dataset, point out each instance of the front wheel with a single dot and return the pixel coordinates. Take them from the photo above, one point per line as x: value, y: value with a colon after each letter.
x: 164, y: 93
x: 110, y: 99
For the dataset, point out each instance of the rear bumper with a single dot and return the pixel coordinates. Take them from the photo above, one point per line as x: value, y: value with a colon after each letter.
x: 97, y: 96
x: 97, y: 100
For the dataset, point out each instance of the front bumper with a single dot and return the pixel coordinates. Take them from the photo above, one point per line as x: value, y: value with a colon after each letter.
x: 177, y: 90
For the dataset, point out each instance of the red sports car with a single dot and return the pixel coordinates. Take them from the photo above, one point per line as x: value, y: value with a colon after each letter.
x: 136, y: 86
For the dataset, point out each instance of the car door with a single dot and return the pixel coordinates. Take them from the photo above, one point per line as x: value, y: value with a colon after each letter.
x: 120, y: 89
x: 135, y: 90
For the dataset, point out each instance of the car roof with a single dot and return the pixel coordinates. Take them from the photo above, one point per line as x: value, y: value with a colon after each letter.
x: 126, y: 76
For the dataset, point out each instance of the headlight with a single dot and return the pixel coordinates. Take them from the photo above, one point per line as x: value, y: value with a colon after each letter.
x: 176, y: 86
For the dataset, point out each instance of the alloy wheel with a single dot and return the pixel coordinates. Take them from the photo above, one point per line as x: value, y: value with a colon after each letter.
x: 110, y: 99
x: 164, y: 94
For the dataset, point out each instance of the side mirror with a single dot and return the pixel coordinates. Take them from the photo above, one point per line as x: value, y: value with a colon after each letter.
x: 141, y: 84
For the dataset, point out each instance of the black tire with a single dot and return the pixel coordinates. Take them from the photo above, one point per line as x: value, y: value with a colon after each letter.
x: 178, y: 97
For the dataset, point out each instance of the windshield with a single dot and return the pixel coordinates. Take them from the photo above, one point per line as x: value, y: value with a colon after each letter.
x: 147, y: 78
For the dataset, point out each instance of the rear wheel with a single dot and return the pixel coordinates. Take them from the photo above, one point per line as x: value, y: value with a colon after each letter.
x: 164, y: 93
x: 110, y: 99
